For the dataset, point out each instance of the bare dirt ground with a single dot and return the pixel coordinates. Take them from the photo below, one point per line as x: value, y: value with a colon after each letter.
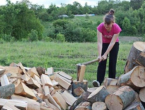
x: 129, y: 38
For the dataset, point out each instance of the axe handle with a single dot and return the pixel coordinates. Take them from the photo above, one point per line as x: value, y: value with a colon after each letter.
x: 90, y: 62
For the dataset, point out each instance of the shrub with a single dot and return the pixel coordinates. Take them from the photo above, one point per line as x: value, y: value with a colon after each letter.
x: 33, y: 36
x: 60, y: 37
x: 47, y: 39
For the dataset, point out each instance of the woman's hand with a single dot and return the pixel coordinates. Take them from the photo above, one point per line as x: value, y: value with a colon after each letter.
x: 99, y: 58
x: 104, y: 57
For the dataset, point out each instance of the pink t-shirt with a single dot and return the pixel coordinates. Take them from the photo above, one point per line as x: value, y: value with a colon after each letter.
x: 107, y: 36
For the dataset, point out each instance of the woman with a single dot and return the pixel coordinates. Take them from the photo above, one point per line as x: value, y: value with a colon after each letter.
x: 108, y: 44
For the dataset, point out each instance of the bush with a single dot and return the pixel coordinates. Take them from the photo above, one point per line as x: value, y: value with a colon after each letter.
x: 6, y: 37
x: 1, y: 41
x: 47, y: 39
x: 60, y: 37
x: 33, y: 36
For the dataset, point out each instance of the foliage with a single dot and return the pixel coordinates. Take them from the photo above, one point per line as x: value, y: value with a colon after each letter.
x: 33, y: 36
x: 60, y: 37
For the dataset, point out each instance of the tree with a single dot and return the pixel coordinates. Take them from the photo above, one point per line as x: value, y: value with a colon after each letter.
x: 136, y: 4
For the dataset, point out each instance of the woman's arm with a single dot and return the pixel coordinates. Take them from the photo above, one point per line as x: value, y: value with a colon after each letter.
x: 99, y: 44
x: 113, y: 41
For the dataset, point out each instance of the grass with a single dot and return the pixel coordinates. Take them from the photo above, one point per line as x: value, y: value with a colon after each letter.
x: 60, y: 56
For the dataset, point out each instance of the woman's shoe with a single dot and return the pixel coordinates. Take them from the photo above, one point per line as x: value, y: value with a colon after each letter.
x: 96, y: 83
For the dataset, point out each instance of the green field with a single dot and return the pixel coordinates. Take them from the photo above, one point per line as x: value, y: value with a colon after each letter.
x: 60, y: 56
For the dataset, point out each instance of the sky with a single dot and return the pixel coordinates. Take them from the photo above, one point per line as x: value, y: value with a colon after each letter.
x: 46, y: 3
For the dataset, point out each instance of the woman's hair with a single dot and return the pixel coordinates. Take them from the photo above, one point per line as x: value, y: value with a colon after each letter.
x: 109, y: 17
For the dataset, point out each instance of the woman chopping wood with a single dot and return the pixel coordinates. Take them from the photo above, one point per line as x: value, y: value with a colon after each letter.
x: 108, y: 44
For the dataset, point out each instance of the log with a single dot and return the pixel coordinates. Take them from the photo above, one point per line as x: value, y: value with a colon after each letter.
x: 78, y: 84
x: 4, y: 80
x: 137, y: 99
x: 92, y: 89
x: 33, y: 83
x: 23, y: 90
x: 134, y: 78
x: 2, y: 71
x: 78, y: 91
x: 135, y: 106
x: 136, y: 56
x: 22, y: 105
x: 84, y: 106
x: 46, y: 81
x: 60, y: 100
x: 40, y: 70
x: 63, y: 74
x: 6, y: 91
x: 22, y: 68
x: 68, y: 97
x: 25, y: 77
x: 50, y: 71
x: 51, y: 100
x: 46, y: 90
x: 99, y: 106
x: 37, y: 79
x: 142, y: 94
x: 31, y: 104
x: 50, y: 105
x: 82, y: 73
x: 9, y: 106
x: 109, y: 81
x: 98, y: 95
x: 111, y: 89
x: 123, y: 97
x: 13, y: 70
x: 62, y: 82
x: 80, y: 99
x: 32, y: 72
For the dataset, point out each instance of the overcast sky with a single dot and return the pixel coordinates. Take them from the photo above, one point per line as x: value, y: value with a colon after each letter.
x: 46, y: 3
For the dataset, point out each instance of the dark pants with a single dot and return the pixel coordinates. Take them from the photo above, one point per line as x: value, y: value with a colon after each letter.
x: 112, y: 62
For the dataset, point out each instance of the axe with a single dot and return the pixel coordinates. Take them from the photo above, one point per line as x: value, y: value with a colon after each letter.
x: 81, y: 69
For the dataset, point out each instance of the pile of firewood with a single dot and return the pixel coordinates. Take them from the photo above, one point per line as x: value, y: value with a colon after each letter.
x: 24, y: 88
